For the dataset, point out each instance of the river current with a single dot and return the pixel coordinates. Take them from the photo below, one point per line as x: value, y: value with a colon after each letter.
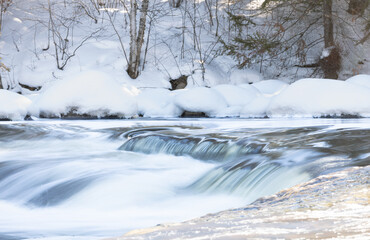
x: 92, y: 179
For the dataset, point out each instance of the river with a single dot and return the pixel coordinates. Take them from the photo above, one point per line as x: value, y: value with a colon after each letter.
x: 90, y: 179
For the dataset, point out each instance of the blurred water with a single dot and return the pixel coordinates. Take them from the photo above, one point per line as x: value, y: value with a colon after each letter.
x: 91, y: 179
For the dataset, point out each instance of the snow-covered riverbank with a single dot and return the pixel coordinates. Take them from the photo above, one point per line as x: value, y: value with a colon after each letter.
x: 333, y: 206
x: 95, y: 95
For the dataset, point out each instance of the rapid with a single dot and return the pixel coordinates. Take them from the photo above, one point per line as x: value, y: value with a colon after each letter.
x: 90, y: 179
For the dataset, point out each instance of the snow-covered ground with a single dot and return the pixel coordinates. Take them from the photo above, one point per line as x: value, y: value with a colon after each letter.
x: 95, y: 94
x: 94, y: 83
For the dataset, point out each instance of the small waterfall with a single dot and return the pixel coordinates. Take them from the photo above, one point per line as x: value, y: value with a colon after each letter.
x: 199, y: 148
x: 249, y: 178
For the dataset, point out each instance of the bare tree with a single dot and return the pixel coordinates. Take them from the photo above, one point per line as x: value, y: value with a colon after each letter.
x: 61, y: 29
x: 4, y: 4
x: 136, y: 36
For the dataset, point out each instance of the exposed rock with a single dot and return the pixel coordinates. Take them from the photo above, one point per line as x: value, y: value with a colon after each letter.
x: 74, y: 114
x: 179, y: 83
x: 30, y: 87
x: 187, y: 114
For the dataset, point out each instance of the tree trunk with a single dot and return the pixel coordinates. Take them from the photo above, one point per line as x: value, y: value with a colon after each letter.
x: 1, y: 15
x: 331, y: 60
x: 131, y: 70
x: 136, y: 38
x: 175, y: 3
x: 328, y: 23
x: 141, y: 33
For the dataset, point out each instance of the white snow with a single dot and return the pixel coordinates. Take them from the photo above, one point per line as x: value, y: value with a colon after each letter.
x: 270, y: 87
x: 257, y: 108
x: 157, y: 102
x: 13, y: 105
x: 361, y: 80
x: 239, y: 76
x: 93, y: 93
x: 321, y: 97
x: 201, y: 99
x: 236, y: 96
x: 326, y: 52
x: 97, y: 94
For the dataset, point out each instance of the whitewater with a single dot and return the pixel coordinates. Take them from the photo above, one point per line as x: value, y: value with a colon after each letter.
x: 91, y: 179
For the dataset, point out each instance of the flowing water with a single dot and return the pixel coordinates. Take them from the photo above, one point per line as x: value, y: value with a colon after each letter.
x: 93, y: 179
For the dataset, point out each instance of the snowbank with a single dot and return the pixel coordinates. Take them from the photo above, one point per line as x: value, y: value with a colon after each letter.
x: 91, y: 93
x: 13, y: 106
x: 157, y: 103
x: 96, y: 95
x: 236, y: 96
x: 256, y: 108
x: 321, y: 97
x: 270, y: 87
x: 361, y: 80
x: 200, y: 99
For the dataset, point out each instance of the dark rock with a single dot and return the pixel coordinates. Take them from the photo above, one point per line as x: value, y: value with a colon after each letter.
x: 188, y: 114
x: 73, y: 114
x: 29, y: 87
x: 179, y: 83
x: 28, y: 118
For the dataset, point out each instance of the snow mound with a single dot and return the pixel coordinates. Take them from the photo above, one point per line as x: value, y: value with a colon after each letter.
x: 239, y: 76
x: 321, y: 97
x: 200, y: 99
x: 270, y: 87
x: 361, y: 80
x: 237, y: 96
x: 256, y: 108
x: 91, y: 93
x: 13, y: 106
x: 157, y: 102
x: 150, y: 79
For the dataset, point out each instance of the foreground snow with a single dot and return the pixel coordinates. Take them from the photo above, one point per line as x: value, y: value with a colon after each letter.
x: 95, y: 94
x: 306, y: 211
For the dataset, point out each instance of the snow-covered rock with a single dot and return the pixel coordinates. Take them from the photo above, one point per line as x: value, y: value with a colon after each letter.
x: 256, y: 108
x: 91, y: 93
x: 237, y: 96
x: 13, y: 106
x: 361, y: 80
x: 321, y: 97
x: 270, y: 87
x: 157, y: 102
x: 200, y: 99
